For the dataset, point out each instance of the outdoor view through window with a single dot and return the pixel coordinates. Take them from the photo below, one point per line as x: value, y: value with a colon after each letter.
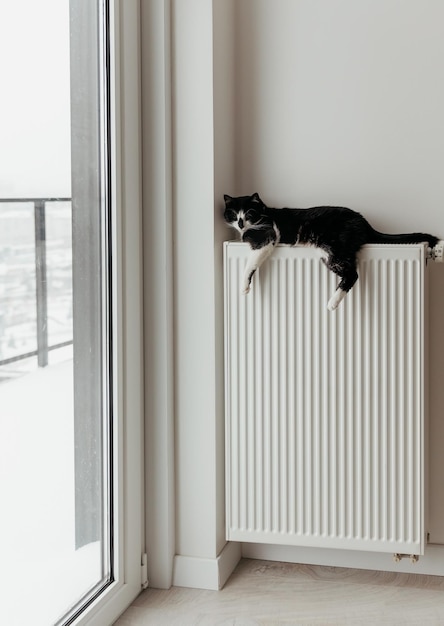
x: 55, y: 543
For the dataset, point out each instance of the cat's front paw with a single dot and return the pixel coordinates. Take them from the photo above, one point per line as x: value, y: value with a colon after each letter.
x: 332, y: 305
x: 245, y: 289
x: 336, y: 298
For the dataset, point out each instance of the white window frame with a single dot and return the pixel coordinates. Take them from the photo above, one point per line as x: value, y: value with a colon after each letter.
x: 128, y: 490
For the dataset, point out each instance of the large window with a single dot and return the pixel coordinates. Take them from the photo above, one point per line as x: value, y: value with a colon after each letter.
x: 63, y: 464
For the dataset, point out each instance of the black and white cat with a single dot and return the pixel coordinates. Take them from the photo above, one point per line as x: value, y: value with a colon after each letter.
x: 339, y: 231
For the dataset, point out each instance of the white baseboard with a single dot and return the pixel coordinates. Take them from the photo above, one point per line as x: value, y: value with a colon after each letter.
x: 212, y: 574
x: 432, y: 563
x: 206, y: 573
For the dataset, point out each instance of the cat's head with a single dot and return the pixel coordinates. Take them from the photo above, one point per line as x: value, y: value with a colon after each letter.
x: 243, y: 212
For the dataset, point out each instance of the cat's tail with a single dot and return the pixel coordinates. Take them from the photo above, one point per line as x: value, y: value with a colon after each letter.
x: 376, y: 237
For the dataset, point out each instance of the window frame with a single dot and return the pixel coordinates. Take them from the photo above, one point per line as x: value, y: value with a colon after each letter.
x: 127, y: 497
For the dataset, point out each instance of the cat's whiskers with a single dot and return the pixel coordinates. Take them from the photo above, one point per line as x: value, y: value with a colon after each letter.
x: 246, y: 225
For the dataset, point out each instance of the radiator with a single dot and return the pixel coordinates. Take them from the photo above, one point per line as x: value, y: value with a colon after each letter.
x: 325, y: 411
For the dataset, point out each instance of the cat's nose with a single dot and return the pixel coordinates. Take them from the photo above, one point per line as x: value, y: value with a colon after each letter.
x: 241, y: 223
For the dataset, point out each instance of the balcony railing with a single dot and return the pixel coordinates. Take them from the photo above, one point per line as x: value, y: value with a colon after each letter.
x: 23, y: 261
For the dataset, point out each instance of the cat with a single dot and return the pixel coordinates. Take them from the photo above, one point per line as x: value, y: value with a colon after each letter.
x: 338, y: 231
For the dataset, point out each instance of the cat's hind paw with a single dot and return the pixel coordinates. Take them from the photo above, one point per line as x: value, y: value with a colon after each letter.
x: 245, y: 290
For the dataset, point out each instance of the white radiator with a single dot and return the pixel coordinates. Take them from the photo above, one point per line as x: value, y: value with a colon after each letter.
x: 325, y: 411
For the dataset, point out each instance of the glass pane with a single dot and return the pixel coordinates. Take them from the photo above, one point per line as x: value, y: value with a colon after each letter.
x: 59, y: 279
x: 17, y: 287
x: 55, y: 313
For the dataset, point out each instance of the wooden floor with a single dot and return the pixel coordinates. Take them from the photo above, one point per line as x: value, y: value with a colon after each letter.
x: 270, y: 594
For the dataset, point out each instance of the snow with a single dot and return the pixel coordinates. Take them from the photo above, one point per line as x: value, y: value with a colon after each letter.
x: 41, y: 573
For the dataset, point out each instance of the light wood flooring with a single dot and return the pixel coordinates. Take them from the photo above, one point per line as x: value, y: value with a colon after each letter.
x: 266, y: 593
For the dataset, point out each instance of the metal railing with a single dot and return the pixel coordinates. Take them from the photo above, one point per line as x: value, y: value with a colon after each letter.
x: 41, y: 280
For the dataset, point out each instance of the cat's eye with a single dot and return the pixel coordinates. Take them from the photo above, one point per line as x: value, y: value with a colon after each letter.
x: 230, y: 216
x: 251, y: 216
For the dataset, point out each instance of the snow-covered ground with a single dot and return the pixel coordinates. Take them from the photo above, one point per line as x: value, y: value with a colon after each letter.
x: 41, y: 573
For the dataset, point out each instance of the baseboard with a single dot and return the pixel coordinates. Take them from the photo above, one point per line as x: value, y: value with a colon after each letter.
x: 432, y: 563
x: 206, y: 573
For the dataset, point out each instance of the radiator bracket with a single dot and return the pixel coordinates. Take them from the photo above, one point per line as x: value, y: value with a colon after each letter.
x: 397, y: 557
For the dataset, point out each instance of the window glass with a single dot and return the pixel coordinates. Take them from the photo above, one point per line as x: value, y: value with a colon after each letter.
x: 56, y: 371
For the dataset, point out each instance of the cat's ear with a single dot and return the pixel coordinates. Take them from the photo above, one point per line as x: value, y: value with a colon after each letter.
x: 255, y: 198
x: 228, y: 199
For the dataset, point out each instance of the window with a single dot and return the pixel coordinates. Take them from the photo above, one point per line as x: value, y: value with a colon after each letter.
x: 69, y: 434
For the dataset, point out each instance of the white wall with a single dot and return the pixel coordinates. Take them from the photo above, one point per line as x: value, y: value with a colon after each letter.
x: 342, y: 102
x: 188, y: 143
x: 307, y: 102
x: 202, y: 141
x: 194, y: 278
x: 224, y: 115
x: 158, y: 290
